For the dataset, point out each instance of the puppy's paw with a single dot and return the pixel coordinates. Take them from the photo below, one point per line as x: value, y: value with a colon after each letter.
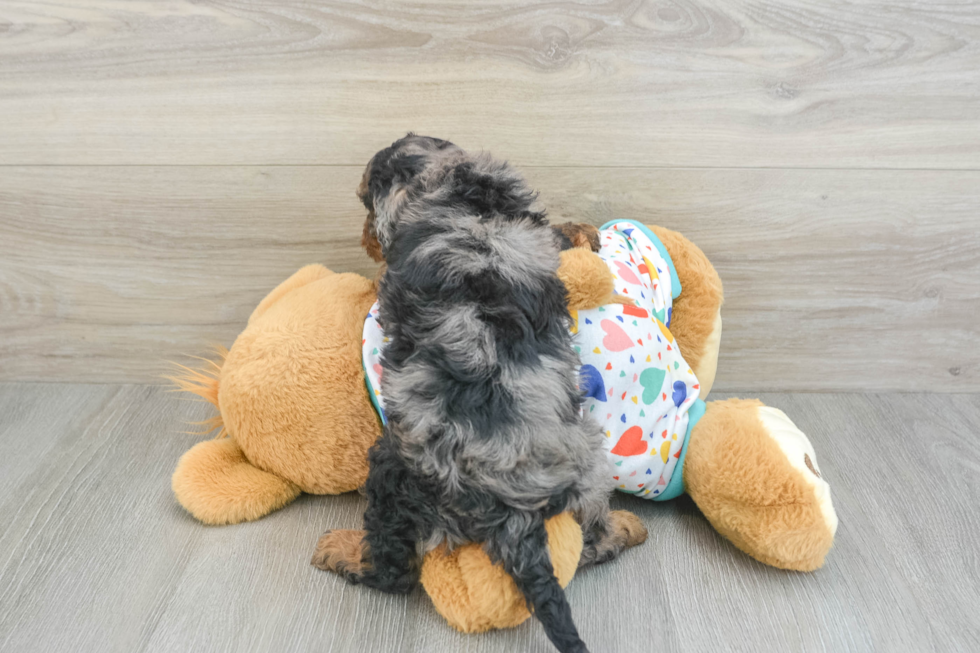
x: 341, y: 552
x: 623, y: 530
x: 628, y: 526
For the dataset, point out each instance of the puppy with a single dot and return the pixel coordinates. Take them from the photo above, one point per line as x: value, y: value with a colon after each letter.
x: 484, y: 437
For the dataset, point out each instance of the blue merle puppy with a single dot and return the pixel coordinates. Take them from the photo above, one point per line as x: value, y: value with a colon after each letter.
x: 484, y: 438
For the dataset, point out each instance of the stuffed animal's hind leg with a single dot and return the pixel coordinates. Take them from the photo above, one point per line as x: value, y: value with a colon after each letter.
x: 216, y: 483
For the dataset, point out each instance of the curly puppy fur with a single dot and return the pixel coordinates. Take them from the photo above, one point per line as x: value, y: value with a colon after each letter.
x: 485, y: 439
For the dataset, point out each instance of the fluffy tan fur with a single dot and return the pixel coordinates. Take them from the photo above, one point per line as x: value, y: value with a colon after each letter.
x: 587, y: 279
x: 696, y: 310
x: 340, y: 549
x: 475, y: 596
x: 750, y: 493
x: 292, y: 389
x: 302, y: 277
x: 291, y: 398
x: 204, y: 384
x: 218, y: 485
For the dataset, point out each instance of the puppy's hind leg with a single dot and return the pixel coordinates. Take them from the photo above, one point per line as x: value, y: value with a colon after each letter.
x: 342, y: 552
x: 521, y: 545
x: 607, y: 533
x: 383, y: 555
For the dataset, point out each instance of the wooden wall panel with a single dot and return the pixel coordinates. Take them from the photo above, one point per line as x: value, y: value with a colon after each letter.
x: 835, y: 280
x: 814, y: 83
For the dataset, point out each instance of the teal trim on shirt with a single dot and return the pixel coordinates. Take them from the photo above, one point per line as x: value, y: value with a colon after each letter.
x: 675, y: 487
x: 675, y: 281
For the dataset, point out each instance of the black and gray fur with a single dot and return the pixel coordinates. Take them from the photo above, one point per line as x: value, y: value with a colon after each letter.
x: 484, y: 439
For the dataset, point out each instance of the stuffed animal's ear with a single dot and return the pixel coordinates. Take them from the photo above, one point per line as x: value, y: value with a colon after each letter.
x: 306, y: 274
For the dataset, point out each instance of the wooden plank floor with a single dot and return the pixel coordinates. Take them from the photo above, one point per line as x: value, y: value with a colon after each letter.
x: 95, y: 555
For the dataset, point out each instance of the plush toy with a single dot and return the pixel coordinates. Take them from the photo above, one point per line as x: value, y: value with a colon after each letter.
x: 296, y: 416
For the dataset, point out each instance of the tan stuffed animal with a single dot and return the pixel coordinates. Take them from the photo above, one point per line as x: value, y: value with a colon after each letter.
x: 296, y: 417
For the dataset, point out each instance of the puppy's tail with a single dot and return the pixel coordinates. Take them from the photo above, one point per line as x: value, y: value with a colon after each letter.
x: 523, y: 550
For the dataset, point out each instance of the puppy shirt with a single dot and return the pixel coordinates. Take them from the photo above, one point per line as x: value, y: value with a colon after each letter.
x: 634, y: 380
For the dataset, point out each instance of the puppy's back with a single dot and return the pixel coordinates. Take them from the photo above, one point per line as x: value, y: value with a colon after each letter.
x: 480, y: 373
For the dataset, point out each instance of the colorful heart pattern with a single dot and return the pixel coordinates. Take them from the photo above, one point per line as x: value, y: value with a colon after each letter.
x: 652, y: 380
x: 626, y: 274
x: 630, y: 443
x: 590, y: 383
x: 647, y: 394
x: 615, y: 339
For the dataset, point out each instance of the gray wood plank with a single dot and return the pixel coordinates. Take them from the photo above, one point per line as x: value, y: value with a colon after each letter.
x: 835, y: 280
x: 98, y: 557
x: 770, y: 83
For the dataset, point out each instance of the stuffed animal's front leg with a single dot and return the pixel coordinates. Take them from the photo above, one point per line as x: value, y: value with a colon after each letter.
x: 755, y: 477
x: 696, y: 316
x: 587, y: 279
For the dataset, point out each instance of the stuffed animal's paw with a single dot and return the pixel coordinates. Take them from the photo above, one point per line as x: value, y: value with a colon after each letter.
x: 341, y: 552
x: 587, y: 279
x: 799, y: 453
x: 475, y: 595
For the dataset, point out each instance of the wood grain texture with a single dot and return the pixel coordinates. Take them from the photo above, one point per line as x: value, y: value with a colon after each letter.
x: 97, y: 556
x: 107, y: 272
x: 815, y: 83
x: 856, y: 280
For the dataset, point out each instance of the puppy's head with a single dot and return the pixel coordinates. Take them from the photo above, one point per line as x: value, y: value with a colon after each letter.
x: 387, y: 181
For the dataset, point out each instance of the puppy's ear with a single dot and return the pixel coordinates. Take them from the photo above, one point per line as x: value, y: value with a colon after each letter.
x: 369, y: 239
x: 387, y: 212
x: 390, y: 174
x: 369, y: 236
